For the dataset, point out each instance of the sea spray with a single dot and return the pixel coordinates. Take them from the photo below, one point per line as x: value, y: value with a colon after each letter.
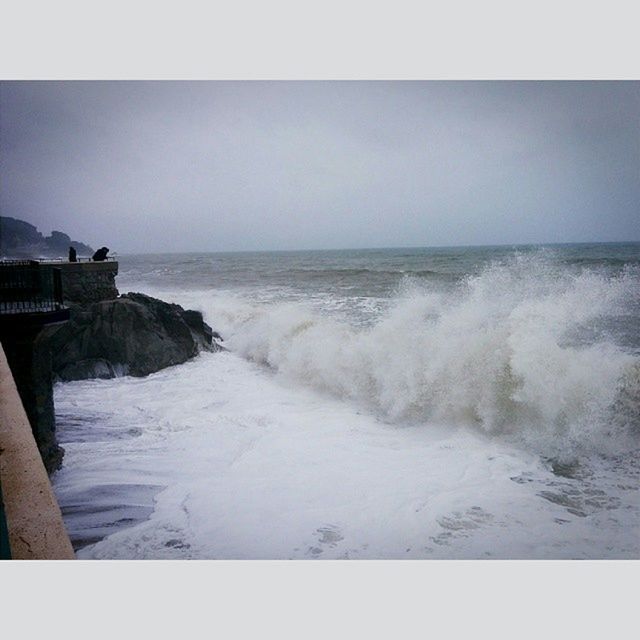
x: 504, y: 350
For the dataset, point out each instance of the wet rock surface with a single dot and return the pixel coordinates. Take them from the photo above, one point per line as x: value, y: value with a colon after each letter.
x: 134, y: 334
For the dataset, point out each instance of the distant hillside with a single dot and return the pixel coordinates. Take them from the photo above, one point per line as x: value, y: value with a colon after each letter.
x: 19, y: 239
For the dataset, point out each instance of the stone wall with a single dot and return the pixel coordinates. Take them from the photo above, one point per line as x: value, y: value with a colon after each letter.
x: 84, y: 282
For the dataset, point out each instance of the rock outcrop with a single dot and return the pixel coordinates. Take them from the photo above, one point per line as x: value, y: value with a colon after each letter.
x: 134, y: 334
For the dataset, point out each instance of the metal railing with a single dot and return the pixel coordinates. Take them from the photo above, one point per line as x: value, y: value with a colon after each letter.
x: 65, y: 261
x: 27, y: 286
x: 113, y: 258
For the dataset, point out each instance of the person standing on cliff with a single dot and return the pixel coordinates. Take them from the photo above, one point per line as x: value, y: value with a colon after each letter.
x: 72, y: 255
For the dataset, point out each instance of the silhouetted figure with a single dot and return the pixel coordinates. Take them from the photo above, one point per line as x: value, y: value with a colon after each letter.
x: 72, y: 255
x: 100, y: 254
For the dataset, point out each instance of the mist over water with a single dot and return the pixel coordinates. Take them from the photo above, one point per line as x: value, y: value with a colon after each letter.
x: 527, y: 357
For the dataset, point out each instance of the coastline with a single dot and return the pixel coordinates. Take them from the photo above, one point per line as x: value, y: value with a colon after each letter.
x: 289, y: 433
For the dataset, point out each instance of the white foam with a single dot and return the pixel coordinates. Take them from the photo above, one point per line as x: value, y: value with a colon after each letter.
x: 254, y: 469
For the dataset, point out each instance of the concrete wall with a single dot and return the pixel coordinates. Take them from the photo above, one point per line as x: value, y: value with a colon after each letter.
x: 34, y: 520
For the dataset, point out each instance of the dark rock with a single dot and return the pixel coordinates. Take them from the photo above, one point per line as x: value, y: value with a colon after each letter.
x: 90, y: 368
x: 134, y: 334
x: 173, y: 315
x: 197, y: 324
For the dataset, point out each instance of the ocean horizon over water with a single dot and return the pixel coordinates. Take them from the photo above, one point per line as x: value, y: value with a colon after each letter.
x: 399, y: 403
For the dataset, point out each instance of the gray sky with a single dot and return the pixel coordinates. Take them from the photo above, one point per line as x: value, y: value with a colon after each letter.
x: 220, y: 165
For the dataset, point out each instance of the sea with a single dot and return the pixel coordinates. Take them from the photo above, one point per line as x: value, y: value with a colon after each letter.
x: 402, y: 403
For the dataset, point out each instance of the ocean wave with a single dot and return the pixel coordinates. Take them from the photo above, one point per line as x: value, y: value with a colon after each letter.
x: 492, y: 352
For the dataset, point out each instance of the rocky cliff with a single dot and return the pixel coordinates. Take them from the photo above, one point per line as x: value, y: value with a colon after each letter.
x: 19, y: 239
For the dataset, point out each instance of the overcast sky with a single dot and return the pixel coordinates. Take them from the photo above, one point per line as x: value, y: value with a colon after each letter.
x: 217, y: 166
